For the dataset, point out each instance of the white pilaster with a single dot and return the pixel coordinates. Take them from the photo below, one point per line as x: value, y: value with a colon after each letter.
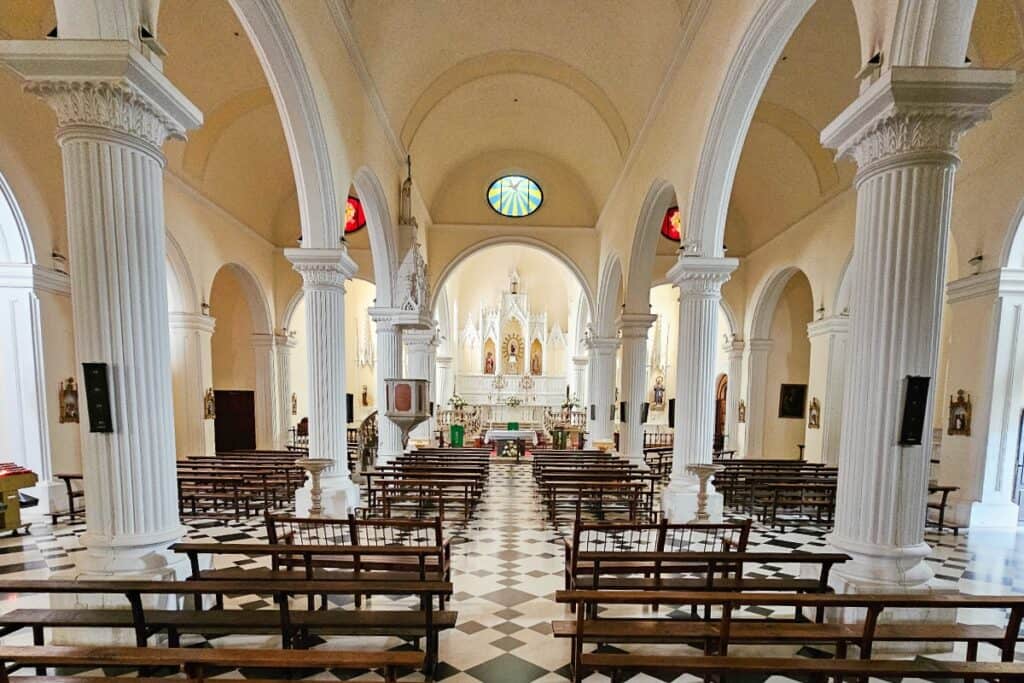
x: 113, y: 116
x: 579, y: 378
x: 601, y: 385
x: 389, y: 366
x: 903, y: 132
x: 192, y: 351
x: 264, y: 355
x: 445, y: 381
x: 700, y: 283
x: 987, y: 352
x: 324, y: 272
x: 827, y: 383
x: 757, y: 397
x: 634, y: 328
x: 421, y: 347
x: 284, y: 343
x: 734, y: 356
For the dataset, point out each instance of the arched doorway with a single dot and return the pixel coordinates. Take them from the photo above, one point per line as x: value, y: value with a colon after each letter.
x: 721, y: 391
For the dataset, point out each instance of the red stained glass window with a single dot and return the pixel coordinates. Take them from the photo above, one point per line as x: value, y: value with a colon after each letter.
x: 670, y: 226
x: 355, y: 217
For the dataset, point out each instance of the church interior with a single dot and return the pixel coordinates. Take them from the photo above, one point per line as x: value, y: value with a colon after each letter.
x: 416, y: 340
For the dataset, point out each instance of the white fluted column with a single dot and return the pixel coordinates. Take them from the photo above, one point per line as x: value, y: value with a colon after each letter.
x: 700, y: 283
x: 634, y: 328
x: 445, y: 381
x: 579, y: 378
x: 264, y: 356
x: 827, y: 382
x: 757, y: 397
x: 389, y: 366
x: 734, y: 357
x: 903, y: 133
x: 421, y: 347
x: 192, y: 354
x: 113, y: 116
x: 284, y: 343
x: 324, y: 272
x: 601, y: 387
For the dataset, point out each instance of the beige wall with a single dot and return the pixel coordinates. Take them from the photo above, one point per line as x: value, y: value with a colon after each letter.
x: 788, y: 363
x: 232, y: 344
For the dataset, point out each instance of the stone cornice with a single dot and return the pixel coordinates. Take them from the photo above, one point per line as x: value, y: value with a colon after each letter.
x: 997, y: 282
x: 421, y: 338
x: 36, y: 278
x: 701, y: 275
x: 601, y: 344
x: 734, y: 348
x: 915, y: 110
x: 759, y: 345
x: 262, y: 340
x: 322, y: 267
x: 192, y: 321
x: 834, y: 324
x: 388, y: 317
x: 102, y: 84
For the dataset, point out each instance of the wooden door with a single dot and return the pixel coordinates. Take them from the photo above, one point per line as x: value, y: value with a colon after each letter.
x: 235, y: 426
x: 721, y: 391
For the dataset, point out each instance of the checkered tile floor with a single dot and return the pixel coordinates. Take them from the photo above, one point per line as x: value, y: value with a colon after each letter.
x: 507, y: 564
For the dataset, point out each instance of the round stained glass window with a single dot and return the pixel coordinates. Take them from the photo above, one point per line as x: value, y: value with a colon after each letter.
x: 514, y: 196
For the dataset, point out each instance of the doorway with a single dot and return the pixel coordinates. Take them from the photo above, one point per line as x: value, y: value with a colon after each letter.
x: 721, y: 392
x: 234, y: 428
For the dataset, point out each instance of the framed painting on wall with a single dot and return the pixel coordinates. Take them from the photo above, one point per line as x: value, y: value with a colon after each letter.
x: 792, y: 400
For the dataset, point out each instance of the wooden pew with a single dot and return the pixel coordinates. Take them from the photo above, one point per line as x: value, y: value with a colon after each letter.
x: 196, y: 662
x: 718, y: 634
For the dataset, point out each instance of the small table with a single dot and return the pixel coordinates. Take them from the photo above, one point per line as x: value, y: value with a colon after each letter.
x: 941, y: 505
x: 500, y: 437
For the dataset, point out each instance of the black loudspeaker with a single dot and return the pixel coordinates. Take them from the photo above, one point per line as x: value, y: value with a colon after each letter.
x: 611, y: 412
x: 350, y: 401
x: 97, y: 397
x: 622, y: 411
x: 644, y: 412
x: 431, y: 409
x: 593, y: 411
x: 672, y: 413
x: 915, y: 405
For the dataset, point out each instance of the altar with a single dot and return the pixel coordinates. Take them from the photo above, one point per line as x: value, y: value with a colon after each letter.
x: 510, y: 442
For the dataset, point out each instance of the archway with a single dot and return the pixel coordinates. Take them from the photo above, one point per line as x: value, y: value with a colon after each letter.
x: 509, y: 304
x: 243, y: 363
x: 721, y: 396
x: 779, y: 366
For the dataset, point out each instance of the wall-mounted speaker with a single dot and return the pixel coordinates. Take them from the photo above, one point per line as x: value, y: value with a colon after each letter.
x: 645, y: 412
x: 915, y: 405
x: 593, y: 411
x: 97, y: 397
x: 350, y: 401
x: 672, y: 413
x: 622, y: 411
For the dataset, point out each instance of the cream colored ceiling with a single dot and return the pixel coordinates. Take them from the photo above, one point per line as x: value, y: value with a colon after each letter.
x: 784, y: 173
x: 570, y: 82
x: 239, y: 158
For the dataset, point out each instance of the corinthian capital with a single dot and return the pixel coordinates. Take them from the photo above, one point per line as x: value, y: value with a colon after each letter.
x: 322, y: 268
x: 102, y: 85
x: 701, y: 276
x: 917, y: 111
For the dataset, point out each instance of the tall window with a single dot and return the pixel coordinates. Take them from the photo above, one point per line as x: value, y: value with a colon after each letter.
x: 514, y: 196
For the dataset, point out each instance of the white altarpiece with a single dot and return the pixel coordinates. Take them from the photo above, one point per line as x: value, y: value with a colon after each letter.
x: 512, y: 361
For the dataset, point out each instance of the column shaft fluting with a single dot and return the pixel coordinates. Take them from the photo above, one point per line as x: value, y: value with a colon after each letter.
x: 264, y: 356
x: 389, y: 366
x: 601, y: 386
x: 634, y: 328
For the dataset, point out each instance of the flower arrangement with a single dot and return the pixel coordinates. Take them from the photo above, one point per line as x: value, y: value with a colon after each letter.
x: 514, y: 401
x: 457, y: 402
x: 571, y: 403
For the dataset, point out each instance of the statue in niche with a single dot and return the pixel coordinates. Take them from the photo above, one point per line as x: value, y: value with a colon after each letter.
x: 489, y: 363
x: 659, y: 394
x: 535, y: 364
x: 68, y: 395
x: 209, y: 405
x: 365, y: 398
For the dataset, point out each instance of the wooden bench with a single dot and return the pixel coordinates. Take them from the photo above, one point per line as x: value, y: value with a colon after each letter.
x: 715, y: 636
x: 605, y: 497
x: 294, y: 626
x: 198, y: 661
x: 73, y: 494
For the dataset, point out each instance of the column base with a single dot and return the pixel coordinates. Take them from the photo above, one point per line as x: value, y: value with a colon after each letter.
x: 877, y: 569
x: 117, y: 563
x: 993, y: 515
x: 679, y: 502
x: 338, y: 497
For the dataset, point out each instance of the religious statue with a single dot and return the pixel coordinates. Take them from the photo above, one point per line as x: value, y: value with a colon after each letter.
x: 535, y: 363
x: 209, y: 405
x: 960, y: 414
x: 659, y: 394
x: 68, y: 396
x: 295, y: 403
x: 814, y: 414
x: 365, y: 397
x: 489, y: 363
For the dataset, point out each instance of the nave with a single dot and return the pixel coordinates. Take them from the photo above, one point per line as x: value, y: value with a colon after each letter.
x: 507, y: 562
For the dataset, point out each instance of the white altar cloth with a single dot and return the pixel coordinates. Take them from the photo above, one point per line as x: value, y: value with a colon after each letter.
x: 509, y: 434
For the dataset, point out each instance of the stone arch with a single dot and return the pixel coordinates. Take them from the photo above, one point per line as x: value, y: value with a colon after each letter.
x: 609, y: 291
x: 768, y: 299
x: 182, y: 295
x: 730, y: 318
x: 523, y: 240
x: 382, y: 235
x: 660, y: 197
x: 1013, y: 246
x: 279, y: 54
x: 15, y: 240
x: 841, y: 305
x: 255, y: 298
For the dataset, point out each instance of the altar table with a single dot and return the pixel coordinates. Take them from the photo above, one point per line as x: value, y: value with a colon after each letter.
x: 502, y: 437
